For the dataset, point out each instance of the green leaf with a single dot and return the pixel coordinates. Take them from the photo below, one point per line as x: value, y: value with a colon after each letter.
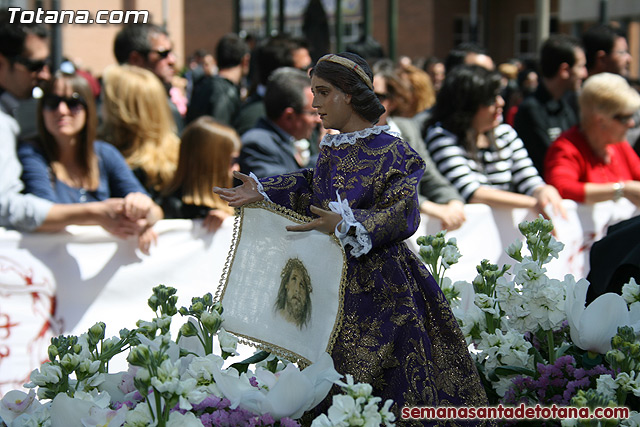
x: 511, y: 370
x: 244, y: 365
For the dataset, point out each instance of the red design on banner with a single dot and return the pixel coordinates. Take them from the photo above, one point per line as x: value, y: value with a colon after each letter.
x: 31, y: 329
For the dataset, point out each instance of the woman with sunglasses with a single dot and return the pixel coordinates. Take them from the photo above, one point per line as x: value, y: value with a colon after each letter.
x: 209, y: 154
x: 481, y: 156
x: 592, y: 162
x: 67, y: 165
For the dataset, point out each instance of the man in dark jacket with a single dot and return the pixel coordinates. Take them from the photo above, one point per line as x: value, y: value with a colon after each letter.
x: 219, y: 96
x: 542, y: 116
x: 269, y: 148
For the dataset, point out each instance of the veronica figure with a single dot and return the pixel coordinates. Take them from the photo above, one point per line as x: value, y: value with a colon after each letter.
x: 398, y: 332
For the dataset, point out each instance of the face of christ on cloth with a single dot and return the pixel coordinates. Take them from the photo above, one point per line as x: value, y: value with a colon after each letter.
x: 293, y: 302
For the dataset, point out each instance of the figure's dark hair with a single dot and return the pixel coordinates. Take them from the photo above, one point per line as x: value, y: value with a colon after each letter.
x: 285, y: 89
x: 13, y: 35
x: 465, y: 89
x: 230, y: 51
x: 363, y: 99
x: 281, y: 300
x: 135, y: 38
x: 600, y: 37
x: 556, y: 50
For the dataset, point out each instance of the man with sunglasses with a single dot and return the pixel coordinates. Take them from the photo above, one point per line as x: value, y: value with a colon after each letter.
x: 149, y: 46
x: 23, y: 65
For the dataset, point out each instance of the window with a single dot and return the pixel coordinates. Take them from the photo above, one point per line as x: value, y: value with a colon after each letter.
x: 525, y: 41
x: 462, y: 30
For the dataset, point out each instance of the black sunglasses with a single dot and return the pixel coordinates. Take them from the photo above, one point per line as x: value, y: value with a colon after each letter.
x: 30, y: 64
x: 381, y: 96
x: 75, y: 102
x: 161, y: 53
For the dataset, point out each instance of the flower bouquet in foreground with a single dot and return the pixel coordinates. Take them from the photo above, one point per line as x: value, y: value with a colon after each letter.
x: 533, y: 339
x: 181, y: 382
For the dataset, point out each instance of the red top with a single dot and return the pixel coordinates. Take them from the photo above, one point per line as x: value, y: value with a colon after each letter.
x: 570, y: 163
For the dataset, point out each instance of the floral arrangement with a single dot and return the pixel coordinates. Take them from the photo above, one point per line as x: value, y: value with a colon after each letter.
x: 181, y: 382
x: 532, y: 337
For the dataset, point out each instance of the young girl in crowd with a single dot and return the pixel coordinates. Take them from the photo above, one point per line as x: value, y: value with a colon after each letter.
x: 482, y: 157
x: 398, y: 332
x: 138, y: 121
x: 68, y: 165
x: 208, y: 158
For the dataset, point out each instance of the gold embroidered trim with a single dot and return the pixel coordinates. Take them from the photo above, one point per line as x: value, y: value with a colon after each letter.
x: 350, y: 65
x: 237, y: 234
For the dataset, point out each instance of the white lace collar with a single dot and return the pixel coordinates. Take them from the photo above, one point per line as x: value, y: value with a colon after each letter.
x: 351, y: 137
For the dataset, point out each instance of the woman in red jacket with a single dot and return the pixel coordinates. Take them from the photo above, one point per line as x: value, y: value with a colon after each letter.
x: 592, y: 162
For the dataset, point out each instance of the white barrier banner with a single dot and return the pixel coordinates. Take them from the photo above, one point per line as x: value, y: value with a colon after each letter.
x: 65, y: 282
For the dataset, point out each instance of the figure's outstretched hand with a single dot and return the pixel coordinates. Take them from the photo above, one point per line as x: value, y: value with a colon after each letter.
x: 242, y: 194
x: 326, y: 222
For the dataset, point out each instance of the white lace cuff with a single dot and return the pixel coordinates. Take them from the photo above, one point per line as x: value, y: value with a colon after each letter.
x: 260, y: 187
x: 361, y: 242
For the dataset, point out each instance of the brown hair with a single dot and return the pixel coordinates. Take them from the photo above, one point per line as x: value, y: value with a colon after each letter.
x: 206, y: 153
x: 424, y: 96
x: 85, y: 155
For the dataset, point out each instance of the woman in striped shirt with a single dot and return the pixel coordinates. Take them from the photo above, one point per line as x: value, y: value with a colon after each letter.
x: 482, y: 157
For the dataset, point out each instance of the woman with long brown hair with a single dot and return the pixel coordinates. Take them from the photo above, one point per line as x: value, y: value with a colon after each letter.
x: 68, y: 165
x: 208, y: 157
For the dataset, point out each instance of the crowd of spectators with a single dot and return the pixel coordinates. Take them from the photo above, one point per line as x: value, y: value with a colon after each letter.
x: 520, y: 134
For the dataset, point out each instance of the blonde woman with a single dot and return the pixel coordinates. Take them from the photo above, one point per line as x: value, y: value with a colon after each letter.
x: 138, y: 121
x: 208, y: 157
x: 592, y: 162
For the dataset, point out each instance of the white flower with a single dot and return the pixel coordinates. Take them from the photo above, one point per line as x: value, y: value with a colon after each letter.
x: 530, y: 273
x: 593, y: 327
x: 323, y: 421
x: 15, y: 403
x: 176, y: 419
x: 343, y: 411
x: 450, y: 255
x: 505, y: 348
x: 111, y: 385
x: 288, y: 394
x: 485, y: 303
x: 546, y: 305
x: 167, y: 379
x: 41, y: 417
x: 140, y: 416
x: 514, y: 249
x: 629, y: 382
x: 99, y: 417
x: 67, y: 411
x: 606, y: 386
x: 632, y: 421
x: 100, y: 399
x: 202, y: 368
x: 631, y: 292
x: 388, y: 417
x: 228, y: 343
x: 555, y: 247
x: 467, y: 312
x: 48, y: 373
